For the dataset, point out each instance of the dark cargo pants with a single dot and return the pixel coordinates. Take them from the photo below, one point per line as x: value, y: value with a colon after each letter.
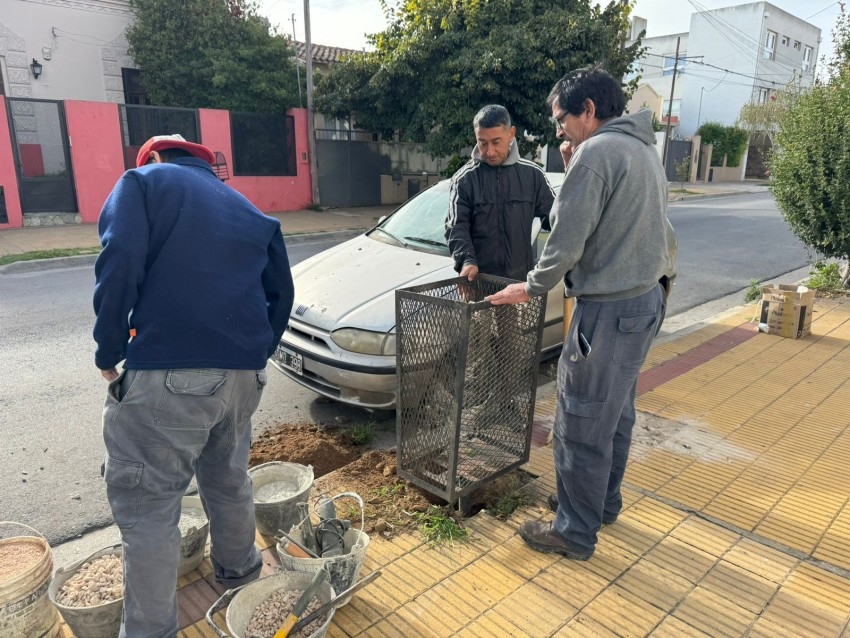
x: 595, y: 412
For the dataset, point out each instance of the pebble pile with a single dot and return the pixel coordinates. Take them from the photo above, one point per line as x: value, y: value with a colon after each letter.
x: 270, y: 614
x: 96, y: 582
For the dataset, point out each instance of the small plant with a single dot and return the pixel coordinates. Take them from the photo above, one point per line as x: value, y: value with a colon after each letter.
x: 316, y: 208
x: 683, y: 171
x: 825, y: 277
x: 753, y: 290
x: 386, y: 492
x: 362, y: 433
x: 438, y: 526
x: 508, y: 498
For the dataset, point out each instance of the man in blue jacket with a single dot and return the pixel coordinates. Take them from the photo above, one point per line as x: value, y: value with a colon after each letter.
x: 193, y: 292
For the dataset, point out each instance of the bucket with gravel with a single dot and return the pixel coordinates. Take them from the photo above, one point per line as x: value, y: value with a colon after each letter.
x: 90, y: 593
x: 258, y: 609
x: 194, y: 530
x: 343, y: 565
x: 26, y: 563
x: 278, y: 488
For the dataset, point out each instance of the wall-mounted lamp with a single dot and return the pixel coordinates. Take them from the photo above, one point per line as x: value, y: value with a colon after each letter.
x: 35, y: 67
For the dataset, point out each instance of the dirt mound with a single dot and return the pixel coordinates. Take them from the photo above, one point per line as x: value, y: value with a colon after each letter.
x: 325, y: 449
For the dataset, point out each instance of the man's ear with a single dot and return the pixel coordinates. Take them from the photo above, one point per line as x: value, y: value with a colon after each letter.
x: 590, y: 108
x: 154, y: 158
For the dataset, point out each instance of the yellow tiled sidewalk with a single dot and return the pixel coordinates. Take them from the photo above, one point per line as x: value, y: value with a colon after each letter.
x: 736, y: 523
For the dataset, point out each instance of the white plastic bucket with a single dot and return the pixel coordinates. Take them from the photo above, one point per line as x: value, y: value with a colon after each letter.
x: 278, y: 488
x: 25, y: 609
x: 244, y: 600
x: 344, y: 569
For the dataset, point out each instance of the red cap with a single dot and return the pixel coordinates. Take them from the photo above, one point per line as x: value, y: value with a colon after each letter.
x: 159, y: 142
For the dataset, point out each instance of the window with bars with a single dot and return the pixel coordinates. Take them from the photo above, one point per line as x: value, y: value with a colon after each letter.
x: 134, y: 92
x: 263, y: 144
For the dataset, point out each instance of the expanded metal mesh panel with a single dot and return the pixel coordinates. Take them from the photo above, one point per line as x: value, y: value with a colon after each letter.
x: 466, y: 383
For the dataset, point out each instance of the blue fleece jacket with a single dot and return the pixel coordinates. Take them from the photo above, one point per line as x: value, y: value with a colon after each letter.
x: 193, y: 268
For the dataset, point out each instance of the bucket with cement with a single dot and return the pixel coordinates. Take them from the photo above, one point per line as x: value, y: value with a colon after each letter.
x: 100, y: 620
x: 278, y: 488
x: 243, y: 601
x: 194, y: 530
x: 342, y: 569
x: 26, y: 563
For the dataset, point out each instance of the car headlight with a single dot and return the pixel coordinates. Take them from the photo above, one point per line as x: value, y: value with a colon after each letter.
x: 364, y: 341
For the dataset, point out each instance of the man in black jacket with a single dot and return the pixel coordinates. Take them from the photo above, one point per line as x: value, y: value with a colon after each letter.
x: 494, y: 200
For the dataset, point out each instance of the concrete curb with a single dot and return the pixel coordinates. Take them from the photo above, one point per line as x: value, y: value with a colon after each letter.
x: 35, y: 265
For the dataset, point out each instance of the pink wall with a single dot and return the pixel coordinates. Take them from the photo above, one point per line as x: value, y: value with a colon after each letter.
x: 269, y: 194
x: 97, y: 160
x: 8, y: 177
x: 96, y: 153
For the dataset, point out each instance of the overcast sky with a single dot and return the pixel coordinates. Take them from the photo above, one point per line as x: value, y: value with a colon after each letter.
x: 344, y: 23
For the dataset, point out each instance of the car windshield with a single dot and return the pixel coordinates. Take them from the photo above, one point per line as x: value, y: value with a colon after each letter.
x: 420, y: 223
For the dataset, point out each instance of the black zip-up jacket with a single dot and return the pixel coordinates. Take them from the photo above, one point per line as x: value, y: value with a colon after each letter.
x: 491, y: 210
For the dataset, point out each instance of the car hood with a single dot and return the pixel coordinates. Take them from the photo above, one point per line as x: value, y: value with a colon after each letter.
x: 354, y: 283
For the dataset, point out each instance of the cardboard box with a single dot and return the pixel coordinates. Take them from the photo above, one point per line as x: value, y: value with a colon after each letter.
x: 786, y: 310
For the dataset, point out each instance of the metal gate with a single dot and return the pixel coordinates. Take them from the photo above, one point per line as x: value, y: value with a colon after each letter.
x: 42, y: 156
x: 349, y: 172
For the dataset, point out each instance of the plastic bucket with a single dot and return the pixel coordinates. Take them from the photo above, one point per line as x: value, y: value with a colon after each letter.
x: 193, y: 539
x: 278, y: 488
x: 98, y: 621
x: 344, y: 569
x: 26, y: 563
x: 244, y: 600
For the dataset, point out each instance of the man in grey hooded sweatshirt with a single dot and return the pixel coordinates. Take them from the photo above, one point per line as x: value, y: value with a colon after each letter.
x: 608, y: 245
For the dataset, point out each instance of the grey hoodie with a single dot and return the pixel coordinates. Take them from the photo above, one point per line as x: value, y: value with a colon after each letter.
x: 608, y: 238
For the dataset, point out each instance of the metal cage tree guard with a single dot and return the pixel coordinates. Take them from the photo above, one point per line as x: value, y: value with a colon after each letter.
x: 466, y: 383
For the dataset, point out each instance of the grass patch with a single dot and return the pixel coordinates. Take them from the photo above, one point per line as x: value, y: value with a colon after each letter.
x: 388, y: 491
x: 440, y: 527
x: 825, y: 277
x: 752, y: 291
x: 316, y: 208
x: 48, y: 254
x: 362, y: 433
x: 505, y: 495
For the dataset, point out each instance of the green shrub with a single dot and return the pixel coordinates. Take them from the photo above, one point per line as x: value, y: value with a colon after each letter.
x: 825, y: 276
x: 729, y: 141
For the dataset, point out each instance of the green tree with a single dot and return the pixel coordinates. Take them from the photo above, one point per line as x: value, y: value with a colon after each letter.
x: 810, y: 167
x: 439, y: 61
x: 211, y: 54
x: 683, y: 171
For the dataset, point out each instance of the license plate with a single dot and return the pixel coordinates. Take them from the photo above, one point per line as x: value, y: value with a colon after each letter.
x: 289, y: 360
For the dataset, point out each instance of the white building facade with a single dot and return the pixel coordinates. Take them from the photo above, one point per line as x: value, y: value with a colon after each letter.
x: 79, y: 47
x: 728, y: 58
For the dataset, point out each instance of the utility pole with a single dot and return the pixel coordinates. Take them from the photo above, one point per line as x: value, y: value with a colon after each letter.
x: 297, y: 70
x: 669, y: 106
x: 311, y: 127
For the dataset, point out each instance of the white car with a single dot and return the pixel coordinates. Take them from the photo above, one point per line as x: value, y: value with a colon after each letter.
x: 341, y: 340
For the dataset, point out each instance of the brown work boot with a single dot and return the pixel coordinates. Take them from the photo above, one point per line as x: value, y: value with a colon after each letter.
x: 542, y: 537
x: 552, y: 502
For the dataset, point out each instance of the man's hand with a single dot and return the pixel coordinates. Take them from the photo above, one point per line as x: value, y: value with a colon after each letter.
x: 470, y: 271
x: 566, y: 152
x: 514, y: 293
x: 110, y: 375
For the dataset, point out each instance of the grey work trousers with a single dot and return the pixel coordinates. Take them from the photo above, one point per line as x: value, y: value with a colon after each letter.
x: 595, y: 412
x: 160, y: 427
